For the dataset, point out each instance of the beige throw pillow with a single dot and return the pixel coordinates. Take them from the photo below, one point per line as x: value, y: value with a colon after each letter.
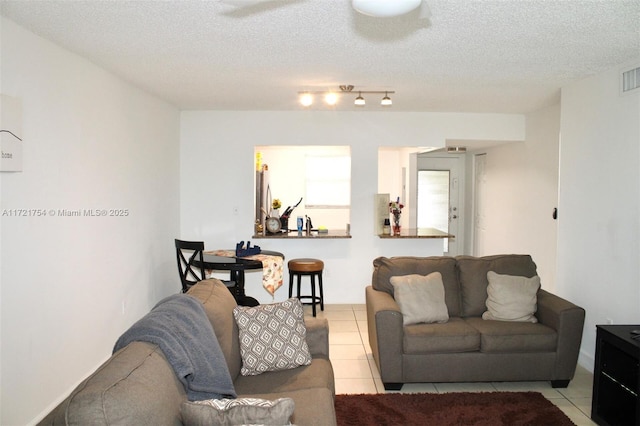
x: 273, y: 337
x: 511, y: 298
x: 420, y: 298
x: 241, y: 411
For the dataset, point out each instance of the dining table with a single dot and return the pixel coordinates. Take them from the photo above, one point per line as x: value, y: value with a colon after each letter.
x: 270, y: 262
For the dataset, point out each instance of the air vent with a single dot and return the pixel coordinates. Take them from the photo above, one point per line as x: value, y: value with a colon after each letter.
x: 456, y: 149
x: 630, y: 80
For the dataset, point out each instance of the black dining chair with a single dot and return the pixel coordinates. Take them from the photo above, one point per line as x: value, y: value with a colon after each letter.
x: 186, y: 253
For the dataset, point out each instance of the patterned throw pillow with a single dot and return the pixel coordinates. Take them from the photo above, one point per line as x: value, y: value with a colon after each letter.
x: 272, y: 337
x: 241, y: 411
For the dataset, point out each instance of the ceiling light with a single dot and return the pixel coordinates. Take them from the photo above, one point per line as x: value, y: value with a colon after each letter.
x: 386, y: 101
x: 306, y: 99
x: 331, y: 98
x: 385, y: 8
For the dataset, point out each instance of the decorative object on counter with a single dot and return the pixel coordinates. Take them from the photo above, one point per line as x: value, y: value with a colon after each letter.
x: 262, y: 182
x: 395, y: 208
x: 386, y: 227
x: 242, y: 250
x: 284, y: 219
x: 381, y: 211
x: 275, y: 208
x: 273, y: 222
x: 284, y: 223
x: 299, y: 223
x: 309, y: 226
x: 272, y: 225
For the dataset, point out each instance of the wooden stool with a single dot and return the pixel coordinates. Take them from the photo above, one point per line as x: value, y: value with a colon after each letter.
x: 312, y: 268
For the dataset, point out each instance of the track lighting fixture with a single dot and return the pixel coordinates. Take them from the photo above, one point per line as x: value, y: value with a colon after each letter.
x: 386, y: 101
x: 306, y: 99
x: 331, y: 97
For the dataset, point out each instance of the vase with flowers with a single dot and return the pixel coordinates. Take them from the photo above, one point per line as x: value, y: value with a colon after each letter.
x: 395, y: 208
x: 275, y: 208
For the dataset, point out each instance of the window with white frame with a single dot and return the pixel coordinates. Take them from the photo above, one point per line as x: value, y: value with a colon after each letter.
x: 327, y: 182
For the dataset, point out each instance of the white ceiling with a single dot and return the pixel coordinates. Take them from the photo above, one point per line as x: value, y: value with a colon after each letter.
x: 468, y: 56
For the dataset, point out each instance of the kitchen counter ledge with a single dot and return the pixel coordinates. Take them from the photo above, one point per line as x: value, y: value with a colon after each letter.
x: 295, y: 235
x: 418, y: 233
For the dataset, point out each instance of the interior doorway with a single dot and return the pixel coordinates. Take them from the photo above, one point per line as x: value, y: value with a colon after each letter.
x: 440, y: 197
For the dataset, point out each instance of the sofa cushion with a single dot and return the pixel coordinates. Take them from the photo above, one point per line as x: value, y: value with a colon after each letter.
x: 218, y: 304
x: 240, y: 411
x: 453, y: 336
x: 384, y: 268
x: 317, y: 375
x: 511, y: 298
x: 472, y: 273
x: 272, y: 337
x: 518, y: 337
x: 420, y: 298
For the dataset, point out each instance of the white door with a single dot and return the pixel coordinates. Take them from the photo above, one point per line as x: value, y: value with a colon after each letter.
x: 440, y: 191
x: 479, y: 208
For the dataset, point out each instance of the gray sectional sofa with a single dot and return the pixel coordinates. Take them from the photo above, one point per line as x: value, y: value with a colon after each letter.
x: 468, y: 348
x: 137, y: 386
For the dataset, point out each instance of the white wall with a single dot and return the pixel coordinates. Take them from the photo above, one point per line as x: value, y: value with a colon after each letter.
x: 521, y: 191
x: 599, y: 211
x: 217, y: 173
x: 71, y: 285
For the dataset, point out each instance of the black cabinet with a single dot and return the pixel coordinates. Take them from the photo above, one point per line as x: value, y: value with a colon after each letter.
x: 616, y: 382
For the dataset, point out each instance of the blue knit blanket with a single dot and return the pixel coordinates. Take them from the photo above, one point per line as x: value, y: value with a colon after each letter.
x: 179, y: 325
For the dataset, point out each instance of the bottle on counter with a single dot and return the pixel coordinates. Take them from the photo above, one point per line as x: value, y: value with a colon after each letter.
x: 309, y: 226
x: 386, y: 227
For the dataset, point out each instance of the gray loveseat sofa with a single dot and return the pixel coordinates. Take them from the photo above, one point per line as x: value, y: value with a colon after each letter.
x: 467, y: 348
x: 137, y: 386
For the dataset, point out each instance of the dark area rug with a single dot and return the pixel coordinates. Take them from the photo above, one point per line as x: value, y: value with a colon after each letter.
x: 460, y: 408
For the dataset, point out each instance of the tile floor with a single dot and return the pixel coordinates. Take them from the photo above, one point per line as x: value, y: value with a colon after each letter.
x: 356, y: 371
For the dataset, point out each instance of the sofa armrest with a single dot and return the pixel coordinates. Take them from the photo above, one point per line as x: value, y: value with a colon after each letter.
x: 568, y: 321
x: 318, y: 337
x: 386, y: 332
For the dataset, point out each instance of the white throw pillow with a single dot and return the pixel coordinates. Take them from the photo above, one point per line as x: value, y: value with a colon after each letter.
x: 511, y: 298
x: 273, y: 337
x: 420, y: 298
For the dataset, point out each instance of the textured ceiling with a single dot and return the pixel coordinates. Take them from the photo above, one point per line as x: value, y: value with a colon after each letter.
x: 470, y: 56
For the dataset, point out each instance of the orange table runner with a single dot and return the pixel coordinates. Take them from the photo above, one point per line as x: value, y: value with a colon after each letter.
x: 272, y: 268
